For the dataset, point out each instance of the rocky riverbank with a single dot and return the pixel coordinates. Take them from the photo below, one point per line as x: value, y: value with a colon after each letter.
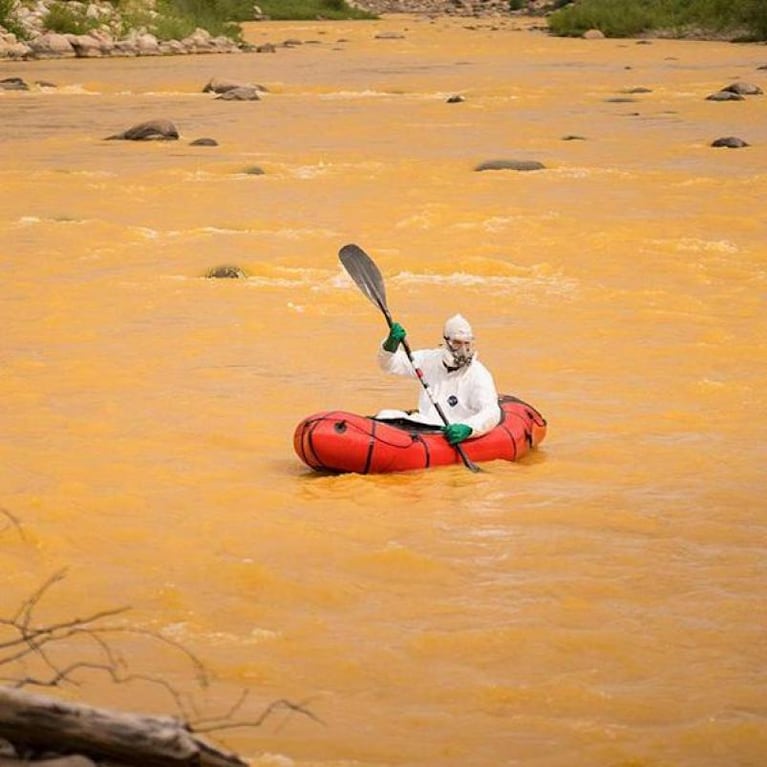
x: 476, y: 8
x: 110, y: 34
x: 35, y: 41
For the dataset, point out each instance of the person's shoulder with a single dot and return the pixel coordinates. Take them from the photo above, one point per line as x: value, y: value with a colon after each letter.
x: 480, y: 367
x: 480, y: 370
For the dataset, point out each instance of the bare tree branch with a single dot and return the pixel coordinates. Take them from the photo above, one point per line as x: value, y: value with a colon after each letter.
x: 29, y: 635
x: 24, y: 613
x: 65, y: 675
x: 203, y: 676
x: 276, y: 705
x: 45, y: 647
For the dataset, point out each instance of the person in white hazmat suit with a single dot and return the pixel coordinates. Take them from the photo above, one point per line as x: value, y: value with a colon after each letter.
x: 457, y: 380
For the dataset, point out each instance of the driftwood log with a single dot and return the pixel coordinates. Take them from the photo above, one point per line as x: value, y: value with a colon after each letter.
x: 46, y: 724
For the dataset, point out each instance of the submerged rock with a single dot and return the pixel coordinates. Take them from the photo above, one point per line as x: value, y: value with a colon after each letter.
x: 218, y: 85
x: 522, y: 165
x: 731, y: 142
x: 226, y: 272
x: 13, y: 84
x: 725, y: 96
x: 241, y: 93
x: 147, y: 131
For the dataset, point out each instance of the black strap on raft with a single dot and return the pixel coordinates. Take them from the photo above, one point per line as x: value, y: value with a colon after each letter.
x: 532, y: 414
x: 371, y: 447
x: 308, y: 452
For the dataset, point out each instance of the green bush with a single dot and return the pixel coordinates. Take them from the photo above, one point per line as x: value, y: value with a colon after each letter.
x: 178, y: 18
x: 6, y: 11
x: 627, y: 18
x: 222, y: 10
x: 615, y: 18
x: 287, y: 10
x: 753, y: 15
x: 8, y: 19
x: 63, y: 19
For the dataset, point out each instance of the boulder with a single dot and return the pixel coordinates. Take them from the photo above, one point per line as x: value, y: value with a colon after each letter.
x: 147, y: 45
x: 52, y: 45
x: 173, y: 48
x: 87, y: 46
x: 743, y: 89
x: 11, y: 47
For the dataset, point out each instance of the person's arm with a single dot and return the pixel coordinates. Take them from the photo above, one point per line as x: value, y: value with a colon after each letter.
x: 391, y: 356
x: 484, y: 400
x: 396, y: 336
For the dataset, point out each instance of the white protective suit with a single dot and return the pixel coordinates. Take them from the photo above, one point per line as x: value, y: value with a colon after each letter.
x: 467, y: 395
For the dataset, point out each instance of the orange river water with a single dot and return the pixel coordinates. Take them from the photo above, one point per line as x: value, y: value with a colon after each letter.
x: 602, y: 601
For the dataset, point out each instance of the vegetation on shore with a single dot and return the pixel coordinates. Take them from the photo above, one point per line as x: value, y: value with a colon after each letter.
x: 287, y: 10
x: 732, y: 19
x: 176, y: 19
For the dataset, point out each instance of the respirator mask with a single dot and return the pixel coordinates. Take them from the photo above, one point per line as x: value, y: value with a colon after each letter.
x: 459, y: 343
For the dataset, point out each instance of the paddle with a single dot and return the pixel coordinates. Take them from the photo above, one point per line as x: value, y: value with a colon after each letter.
x: 366, y: 274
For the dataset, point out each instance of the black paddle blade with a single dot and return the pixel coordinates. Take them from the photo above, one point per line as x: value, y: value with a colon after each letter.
x: 366, y: 274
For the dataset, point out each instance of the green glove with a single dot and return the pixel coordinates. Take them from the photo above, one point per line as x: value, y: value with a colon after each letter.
x: 396, y: 334
x: 456, y: 432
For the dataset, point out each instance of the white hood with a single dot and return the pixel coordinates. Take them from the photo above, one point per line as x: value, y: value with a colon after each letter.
x: 458, y: 329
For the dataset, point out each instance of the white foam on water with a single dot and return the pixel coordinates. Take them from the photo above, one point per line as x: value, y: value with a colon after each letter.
x: 550, y: 283
x: 691, y: 244
x: 351, y: 95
